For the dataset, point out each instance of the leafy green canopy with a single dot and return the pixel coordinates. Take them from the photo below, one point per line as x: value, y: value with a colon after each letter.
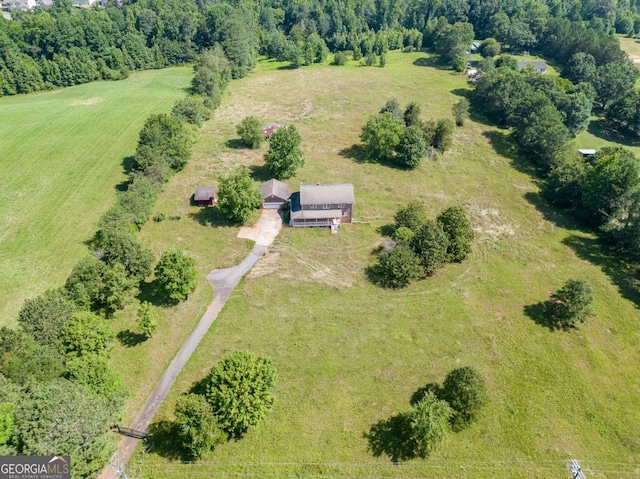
x: 239, y: 390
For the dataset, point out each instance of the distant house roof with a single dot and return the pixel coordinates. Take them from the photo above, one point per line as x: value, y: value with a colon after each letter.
x: 274, y: 187
x: 327, y: 194
x: 271, y: 128
x: 204, y: 193
x: 587, y: 151
x: 538, y: 66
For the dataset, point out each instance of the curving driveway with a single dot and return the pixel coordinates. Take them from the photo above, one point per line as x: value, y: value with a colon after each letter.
x: 224, y: 282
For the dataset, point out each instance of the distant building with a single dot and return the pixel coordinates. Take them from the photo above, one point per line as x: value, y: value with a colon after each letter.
x: 18, y: 4
x: 586, y: 152
x: 270, y: 128
x: 205, y: 196
x: 275, y: 194
x: 539, y: 67
x: 322, y: 205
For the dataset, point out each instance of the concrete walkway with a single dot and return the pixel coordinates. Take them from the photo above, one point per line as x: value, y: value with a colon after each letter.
x: 224, y: 282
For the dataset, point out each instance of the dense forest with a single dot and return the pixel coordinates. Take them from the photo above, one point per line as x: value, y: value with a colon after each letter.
x: 63, y: 45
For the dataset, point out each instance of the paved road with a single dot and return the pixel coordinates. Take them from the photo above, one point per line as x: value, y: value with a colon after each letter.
x: 224, y: 282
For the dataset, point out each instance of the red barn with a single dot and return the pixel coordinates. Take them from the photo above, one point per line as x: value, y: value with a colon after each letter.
x: 205, y: 196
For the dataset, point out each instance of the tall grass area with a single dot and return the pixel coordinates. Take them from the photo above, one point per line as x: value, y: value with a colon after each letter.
x: 350, y: 354
x: 62, y: 156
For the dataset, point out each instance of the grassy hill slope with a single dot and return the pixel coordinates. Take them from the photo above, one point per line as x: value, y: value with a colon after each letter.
x: 351, y: 355
x: 61, y: 155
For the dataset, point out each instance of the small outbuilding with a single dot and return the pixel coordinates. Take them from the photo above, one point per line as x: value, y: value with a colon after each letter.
x: 586, y: 152
x: 205, y: 196
x: 275, y: 194
x: 539, y: 67
x: 270, y: 128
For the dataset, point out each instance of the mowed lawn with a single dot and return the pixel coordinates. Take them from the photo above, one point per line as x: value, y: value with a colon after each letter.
x: 61, y: 156
x: 350, y: 355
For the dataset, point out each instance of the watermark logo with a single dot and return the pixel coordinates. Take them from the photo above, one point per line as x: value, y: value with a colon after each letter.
x: 35, y: 467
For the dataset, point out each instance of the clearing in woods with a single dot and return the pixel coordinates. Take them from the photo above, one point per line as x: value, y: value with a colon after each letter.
x: 351, y: 355
x: 62, y: 156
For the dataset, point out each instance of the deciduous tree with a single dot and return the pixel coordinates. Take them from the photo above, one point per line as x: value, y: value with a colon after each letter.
x: 465, y: 391
x: 571, y: 304
x: 429, y: 424
x: 239, y: 390
x: 399, y: 266
x: 284, y: 156
x: 250, y: 132
x: 456, y: 225
x: 238, y: 194
x: 176, y: 275
x: 381, y: 135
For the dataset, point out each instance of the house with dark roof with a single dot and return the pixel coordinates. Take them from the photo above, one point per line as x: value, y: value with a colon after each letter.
x: 270, y: 128
x: 539, y: 67
x: 275, y: 194
x: 322, y: 205
x: 205, y: 196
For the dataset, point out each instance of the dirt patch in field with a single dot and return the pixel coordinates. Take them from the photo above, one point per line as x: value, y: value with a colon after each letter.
x: 635, y: 58
x: 290, y: 265
x: 87, y: 102
x: 488, y: 225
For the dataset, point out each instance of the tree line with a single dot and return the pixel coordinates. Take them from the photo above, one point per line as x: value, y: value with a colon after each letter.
x: 58, y: 390
x: 62, y: 45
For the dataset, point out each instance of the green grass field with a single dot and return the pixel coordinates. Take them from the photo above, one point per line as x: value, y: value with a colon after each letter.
x: 349, y: 354
x: 62, y: 154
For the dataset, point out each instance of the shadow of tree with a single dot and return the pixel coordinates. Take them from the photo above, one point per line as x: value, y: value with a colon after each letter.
x: 355, y: 152
x: 260, y: 173
x: 386, y: 230
x: 162, y: 441
x: 151, y: 292
x: 623, y: 275
x: 538, y: 313
x: 235, y: 144
x: 433, y: 62
x: 199, y: 387
x: 558, y: 217
x: 211, y: 216
x: 420, y: 392
x: 390, y: 437
x: 128, y: 164
x: 504, y: 145
x: 130, y: 339
x: 600, y: 129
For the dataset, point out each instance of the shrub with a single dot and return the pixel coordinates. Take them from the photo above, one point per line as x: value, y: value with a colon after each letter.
x: 147, y: 319
x: 198, y: 429
x: 250, y: 132
x: 239, y: 390
x: 340, y: 58
x: 429, y: 424
x: 571, y: 304
x: 403, y: 235
x: 465, y: 391
x: 412, y: 216
x: 399, y: 266
x: 370, y: 59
